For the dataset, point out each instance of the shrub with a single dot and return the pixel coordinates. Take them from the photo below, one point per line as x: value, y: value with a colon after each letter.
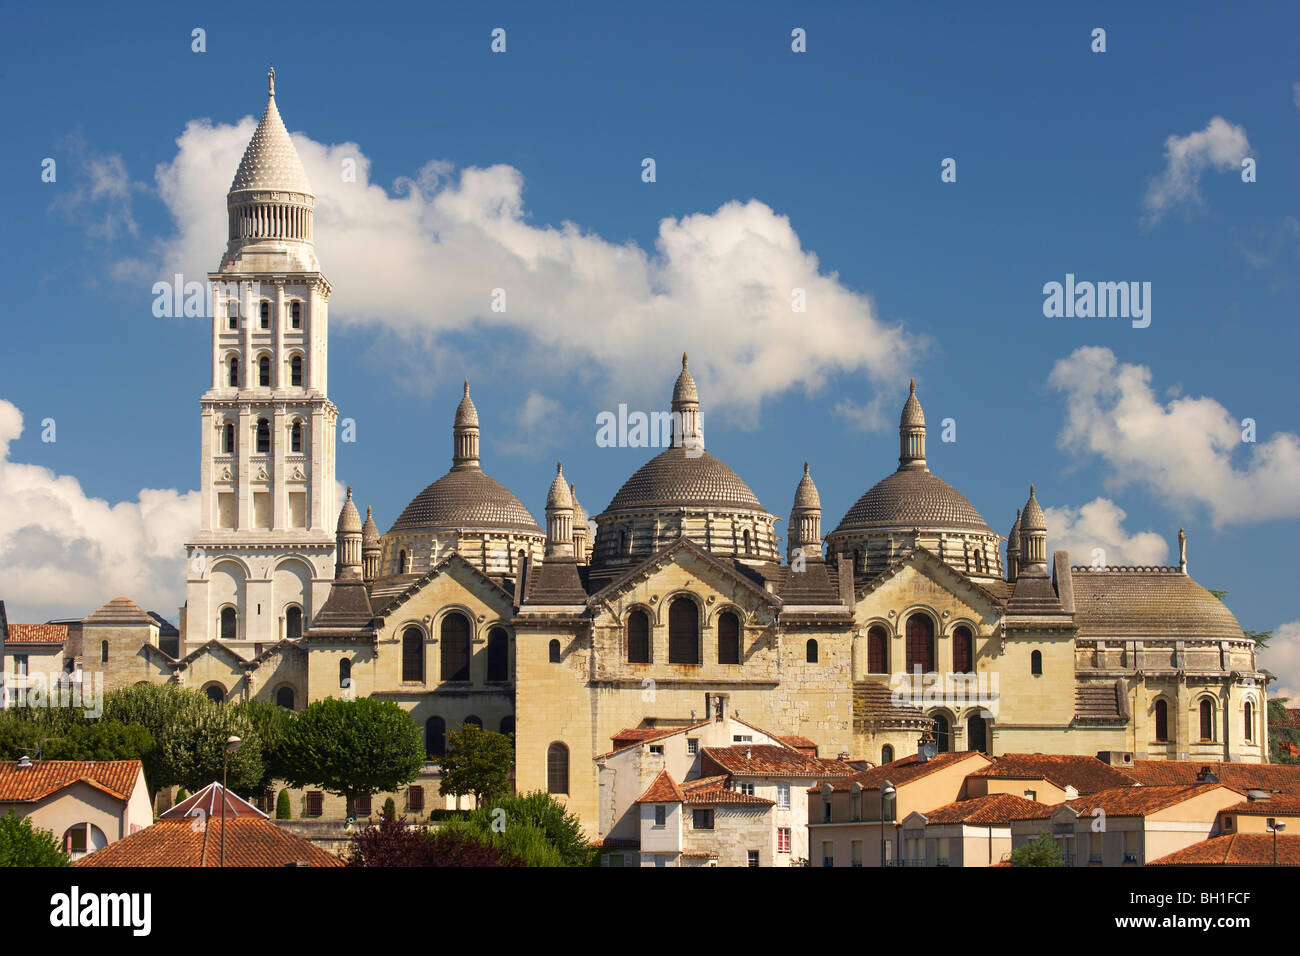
x: 21, y: 844
x: 283, y: 811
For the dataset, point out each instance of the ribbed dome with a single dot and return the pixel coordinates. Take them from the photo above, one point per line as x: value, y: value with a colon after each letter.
x: 270, y: 162
x: 558, y: 496
x: 684, y: 390
x: 806, y: 496
x: 369, y: 532
x: 464, y: 499
x: 673, y: 478
x: 912, y: 414
x: 912, y: 498
x: 349, y: 518
x: 466, y: 413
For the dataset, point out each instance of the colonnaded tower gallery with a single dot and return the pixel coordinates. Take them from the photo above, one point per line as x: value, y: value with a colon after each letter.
x: 907, y: 618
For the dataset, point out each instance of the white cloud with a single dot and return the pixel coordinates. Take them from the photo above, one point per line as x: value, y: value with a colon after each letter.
x: 99, y: 196
x: 1220, y: 146
x: 424, y: 259
x: 1282, y: 657
x: 1182, y: 450
x: 1100, y: 524
x: 539, y: 423
x: 871, y: 417
x: 63, y: 554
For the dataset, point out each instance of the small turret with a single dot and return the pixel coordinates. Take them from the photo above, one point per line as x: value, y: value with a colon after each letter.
x: 348, y: 538
x: 371, y: 550
x: 911, y: 433
x: 686, y: 409
x: 1013, y: 549
x: 581, y: 536
x: 1033, y: 536
x: 465, y: 433
x: 805, y: 520
x: 559, y: 516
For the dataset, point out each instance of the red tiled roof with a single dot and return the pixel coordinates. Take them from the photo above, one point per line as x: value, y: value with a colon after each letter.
x: 44, y: 777
x: 992, y: 809
x: 767, y: 760
x: 1125, y: 801
x: 636, y: 736
x: 1280, y: 778
x: 37, y: 634
x: 900, y: 771
x: 1292, y: 718
x: 662, y: 789
x: 714, y: 790
x: 250, y: 841
x: 799, y: 743
x: 1279, y: 805
x: 207, y: 802
x: 1086, y: 774
x: 1237, y: 849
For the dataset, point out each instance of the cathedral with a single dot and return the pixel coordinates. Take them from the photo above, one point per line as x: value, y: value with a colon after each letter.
x: 675, y: 604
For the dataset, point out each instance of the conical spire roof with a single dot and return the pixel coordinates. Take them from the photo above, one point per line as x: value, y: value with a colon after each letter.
x: 912, y: 414
x: 559, y: 495
x: 1033, y: 518
x: 271, y: 162
x: 806, y: 496
x: 1013, y: 539
x: 466, y: 413
x: 684, y: 390
x: 369, y: 531
x: 579, y: 515
x: 349, y: 517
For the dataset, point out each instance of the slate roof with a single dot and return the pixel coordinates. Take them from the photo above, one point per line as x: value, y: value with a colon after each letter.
x: 1148, y: 602
x: 346, y: 609
x: 555, y: 581
x: 766, y: 760
x: 1237, y: 849
x: 37, y: 634
x: 119, y: 611
x: 989, y: 810
x: 466, y: 498
x: 912, y: 498
x: 1125, y: 801
x: 1279, y: 778
x: 674, y: 479
x: 1086, y: 774
x: 250, y: 841
x: 117, y: 778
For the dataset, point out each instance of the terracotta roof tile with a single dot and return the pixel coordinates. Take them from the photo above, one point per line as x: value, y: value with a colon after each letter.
x: 1125, y: 802
x: 44, y: 777
x: 713, y: 791
x: 1237, y: 849
x: 901, y: 771
x: 771, y: 761
x: 662, y: 789
x: 1086, y: 774
x: 1279, y: 805
x: 250, y: 841
x: 992, y: 809
x: 1279, y: 778
x: 208, y: 803
x: 37, y: 634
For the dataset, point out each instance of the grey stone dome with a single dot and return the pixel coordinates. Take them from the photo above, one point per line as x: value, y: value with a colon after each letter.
x: 913, y: 498
x: 672, y: 478
x: 466, y: 498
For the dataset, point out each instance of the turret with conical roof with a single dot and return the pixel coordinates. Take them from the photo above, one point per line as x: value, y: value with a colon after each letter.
x: 371, y: 549
x: 347, y: 562
x: 559, y: 516
x: 687, y: 429
x: 464, y: 433
x: 581, y: 535
x: 1033, y: 536
x: 911, y: 433
x: 805, y: 520
x: 1013, y: 549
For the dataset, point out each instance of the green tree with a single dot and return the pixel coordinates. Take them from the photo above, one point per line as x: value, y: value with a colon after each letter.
x: 390, y: 809
x: 477, y: 762
x: 532, y: 826
x: 17, y: 737
x: 1282, y: 735
x: 1040, y: 851
x: 353, y: 748
x: 21, y: 844
x: 269, y: 723
x: 283, y: 811
x: 101, y: 740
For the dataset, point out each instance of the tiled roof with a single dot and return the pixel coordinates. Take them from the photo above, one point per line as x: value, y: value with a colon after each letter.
x: 1099, y: 701
x: 636, y: 736
x: 1279, y: 778
x: 1237, y: 849
x: 1125, y: 802
x: 679, y: 476
x: 901, y: 771
x: 555, y: 581
x: 663, y: 789
x: 1085, y: 774
x: 270, y: 160
x: 992, y: 809
x: 816, y: 585
x: 208, y: 803
x: 1278, y: 805
x: 873, y: 702
x: 37, y: 633
x: 912, y: 498
x: 250, y: 841
x: 466, y: 498
x: 713, y: 791
x: 767, y: 760
x: 44, y: 777
x: 798, y: 742
x: 119, y: 611
x: 1140, y: 602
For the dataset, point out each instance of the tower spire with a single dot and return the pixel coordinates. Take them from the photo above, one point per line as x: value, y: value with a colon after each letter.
x: 911, y: 433
x: 464, y: 433
x: 687, y: 430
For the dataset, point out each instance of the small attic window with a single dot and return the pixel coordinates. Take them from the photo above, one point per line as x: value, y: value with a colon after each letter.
x: 657, y: 749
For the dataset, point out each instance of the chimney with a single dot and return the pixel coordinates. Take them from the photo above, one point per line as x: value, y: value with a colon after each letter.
x: 24, y: 761
x: 1207, y: 775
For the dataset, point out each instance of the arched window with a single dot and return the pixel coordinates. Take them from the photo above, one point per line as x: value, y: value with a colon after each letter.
x: 1250, y: 722
x: 624, y: 543
x: 553, y: 652
x: 498, y: 655
x: 103, y: 652
x: 266, y: 314
x: 557, y: 768
x: 1036, y: 663
x: 1162, y: 720
x: 228, y: 439
x: 508, y: 724
x: 877, y: 650
x: 473, y: 720
x: 234, y: 373
x: 683, y: 632
x: 401, y: 562
x: 82, y: 838
x: 292, y: 623
x: 887, y: 754
x: 963, y: 651
x: 638, y: 637
x: 264, y: 370
x: 295, y: 436
x: 435, y: 737
x: 284, y: 698
x: 1207, y: 719
x: 345, y: 672
x: 295, y: 370
x: 942, y: 733
x: 977, y: 733
x: 216, y: 693
x: 859, y: 561
x: 455, y: 647
x: 810, y: 651
x: 728, y: 638
x: 413, y: 654
x: 920, y: 643
x: 229, y: 624
x: 263, y: 436
x: 746, y: 540
x: 295, y: 315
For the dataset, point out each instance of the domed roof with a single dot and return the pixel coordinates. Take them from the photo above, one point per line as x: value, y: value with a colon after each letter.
x: 369, y: 531
x: 1013, y: 539
x: 271, y: 161
x: 912, y: 498
x: 466, y: 413
x: 806, y: 496
x: 559, y: 496
x: 464, y: 499
x: 349, y: 519
x: 1033, y: 518
x: 673, y: 479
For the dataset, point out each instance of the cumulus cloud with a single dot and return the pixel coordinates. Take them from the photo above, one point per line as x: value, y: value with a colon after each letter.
x: 1100, y: 524
x: 1188, y: 451
x: 63, y: 554
x: 1282, y: 657
x: 423, y: 259
x: 1221, y: 146
x: 99, y: 195
x: 539, y: 423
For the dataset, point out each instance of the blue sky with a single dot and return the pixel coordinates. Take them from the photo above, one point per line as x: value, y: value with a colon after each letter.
x: 1057, y: 151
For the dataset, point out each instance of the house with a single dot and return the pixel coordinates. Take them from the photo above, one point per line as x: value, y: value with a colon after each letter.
x: 1128, y: 825
x: 1272, y: 777
x: 1046, y: 778
x: 704, y: 822
x: 1237, y: 849
x: 87, y: 804
x: 1259, y: 811
x: 33, y: 660
x: 854, y: 820
x: 973, y: 832
x: 190, y: 834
